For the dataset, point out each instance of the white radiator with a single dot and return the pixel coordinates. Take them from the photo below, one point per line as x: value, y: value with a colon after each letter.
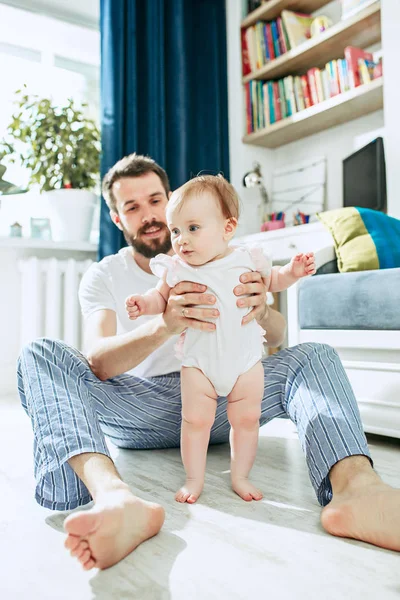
x: 49, y: 299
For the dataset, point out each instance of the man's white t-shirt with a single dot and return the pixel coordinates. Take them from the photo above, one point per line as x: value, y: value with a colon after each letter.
x: 106, y: 285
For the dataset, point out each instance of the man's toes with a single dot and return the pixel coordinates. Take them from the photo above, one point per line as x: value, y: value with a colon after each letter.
x: 80, y: 549
x: 89, y: 564
x: 72, y: 542
x: 86, y: 555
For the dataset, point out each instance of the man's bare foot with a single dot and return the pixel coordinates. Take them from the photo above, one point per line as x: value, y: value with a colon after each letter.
x: 190, y: 492
x: 116, y: 525
x: 370, y: 513
x: 245, y: 489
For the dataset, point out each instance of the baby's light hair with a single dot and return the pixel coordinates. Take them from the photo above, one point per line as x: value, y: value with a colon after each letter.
x: 224, y: 193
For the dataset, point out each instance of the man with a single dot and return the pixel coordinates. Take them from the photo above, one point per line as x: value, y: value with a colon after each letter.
x: 73, y: 401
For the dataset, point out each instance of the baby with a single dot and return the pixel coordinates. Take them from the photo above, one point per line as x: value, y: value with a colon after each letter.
x: 202, y: 217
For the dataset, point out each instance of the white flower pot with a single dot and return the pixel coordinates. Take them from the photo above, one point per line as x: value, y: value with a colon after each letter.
x: 71, y: 214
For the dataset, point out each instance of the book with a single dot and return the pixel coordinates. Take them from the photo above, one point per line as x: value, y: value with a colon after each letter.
x: 313, y: 85
x: 246, y: 68
x: 326, y: 84
x: 275, y: 37
x: 298, y: 92
x: 282, y: 41
x: 297, y: 27
x: 271, y: 102
x: 352, y: 56
x: 277, y: 101
x: 306, y: 91
x: 289, y: 94
x: 282, y: 96
x: 319, y: 85
x: 270, y: 42
x: 267, y: 119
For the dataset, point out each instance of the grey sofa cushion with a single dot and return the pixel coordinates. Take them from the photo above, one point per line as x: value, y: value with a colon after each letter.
x: 360, y: 300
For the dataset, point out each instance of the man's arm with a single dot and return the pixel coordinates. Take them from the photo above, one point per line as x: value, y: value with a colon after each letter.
x: 274, y: 325
x: 110, y: 354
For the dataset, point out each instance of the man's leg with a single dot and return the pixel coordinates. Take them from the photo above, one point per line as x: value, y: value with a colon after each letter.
x: 69, y: 407
x: 308, y: 383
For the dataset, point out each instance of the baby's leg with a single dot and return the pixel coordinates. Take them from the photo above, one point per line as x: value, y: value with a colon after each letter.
x: 199, y: 403
x: 244, y: 410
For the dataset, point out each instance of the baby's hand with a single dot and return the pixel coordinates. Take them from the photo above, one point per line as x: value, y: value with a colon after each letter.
x: 302, y: 265
x: 135, y: 306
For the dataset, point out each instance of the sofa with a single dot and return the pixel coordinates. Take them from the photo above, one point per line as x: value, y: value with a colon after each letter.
x: 358, y: 313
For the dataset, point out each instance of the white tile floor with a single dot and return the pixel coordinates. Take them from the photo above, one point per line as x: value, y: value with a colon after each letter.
x: 219, y: 548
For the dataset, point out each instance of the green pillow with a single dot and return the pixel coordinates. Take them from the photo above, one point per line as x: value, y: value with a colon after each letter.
x: 364, y: 239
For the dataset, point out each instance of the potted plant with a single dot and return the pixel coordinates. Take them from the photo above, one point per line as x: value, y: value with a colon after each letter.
x: 61, y: 147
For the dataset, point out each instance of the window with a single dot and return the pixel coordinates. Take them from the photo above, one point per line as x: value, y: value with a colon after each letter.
x: 53, y: 58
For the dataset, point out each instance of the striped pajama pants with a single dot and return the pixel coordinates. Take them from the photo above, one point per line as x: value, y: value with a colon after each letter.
x: 71, y: 412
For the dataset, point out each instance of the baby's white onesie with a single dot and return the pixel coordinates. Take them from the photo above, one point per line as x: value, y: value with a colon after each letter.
x: 232, y: 349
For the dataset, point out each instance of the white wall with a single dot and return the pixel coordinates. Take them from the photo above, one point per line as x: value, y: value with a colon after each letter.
x: 391, y: 92
x: 80, y: 12
x: 242, y: 155
x: 335, y: 143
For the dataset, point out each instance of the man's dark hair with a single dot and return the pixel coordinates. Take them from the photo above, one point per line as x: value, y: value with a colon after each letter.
x: 133, y: 165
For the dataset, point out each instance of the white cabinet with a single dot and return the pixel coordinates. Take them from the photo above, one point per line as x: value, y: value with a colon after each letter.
x: 288, y: 241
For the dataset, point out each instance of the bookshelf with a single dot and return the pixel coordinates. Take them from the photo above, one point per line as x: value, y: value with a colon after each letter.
x: 362, y: 30
x: 273, y: 8
x: 350, y: 105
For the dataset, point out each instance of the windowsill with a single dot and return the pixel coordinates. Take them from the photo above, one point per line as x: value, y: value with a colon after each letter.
x: 16, y: 243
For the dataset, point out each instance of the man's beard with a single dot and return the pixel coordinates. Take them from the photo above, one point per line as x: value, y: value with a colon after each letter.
x: 152, y: 247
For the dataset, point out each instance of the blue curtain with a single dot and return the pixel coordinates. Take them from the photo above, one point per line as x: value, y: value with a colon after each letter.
x: 164, y: 90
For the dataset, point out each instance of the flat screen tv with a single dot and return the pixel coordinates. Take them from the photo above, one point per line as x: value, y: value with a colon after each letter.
x: 364, y: 177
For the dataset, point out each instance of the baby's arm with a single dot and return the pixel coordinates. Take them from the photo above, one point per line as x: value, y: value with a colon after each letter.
x: 300, y: 266
x: 152, y: 302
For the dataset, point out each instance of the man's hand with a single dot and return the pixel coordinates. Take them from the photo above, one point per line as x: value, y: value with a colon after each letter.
x: 183, y: 309
x: 252, y: 283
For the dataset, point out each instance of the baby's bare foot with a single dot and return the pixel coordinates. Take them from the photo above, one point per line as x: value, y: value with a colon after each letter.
x: 190, y: 492
x: 245, y: 489
x: 116, y: 525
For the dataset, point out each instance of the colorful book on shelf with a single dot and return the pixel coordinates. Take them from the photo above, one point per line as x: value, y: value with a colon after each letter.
x: 275, y: 37
x: 246, y: 67
x: 266, y: 45
x: 312, y: 85
x: 277, y: 101
x: 352, y: 56
x: 283, y: 34
x: 366, y: 70
x: 270, y: 41
x: 297, y: 26
x: 306, y: 91
x: 271, y: 102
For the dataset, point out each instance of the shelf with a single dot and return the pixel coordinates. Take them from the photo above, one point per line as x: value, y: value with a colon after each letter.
x: 272, y: 9
x: 362, y: 30
x: 17, y: 243
x: 339, y: 109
